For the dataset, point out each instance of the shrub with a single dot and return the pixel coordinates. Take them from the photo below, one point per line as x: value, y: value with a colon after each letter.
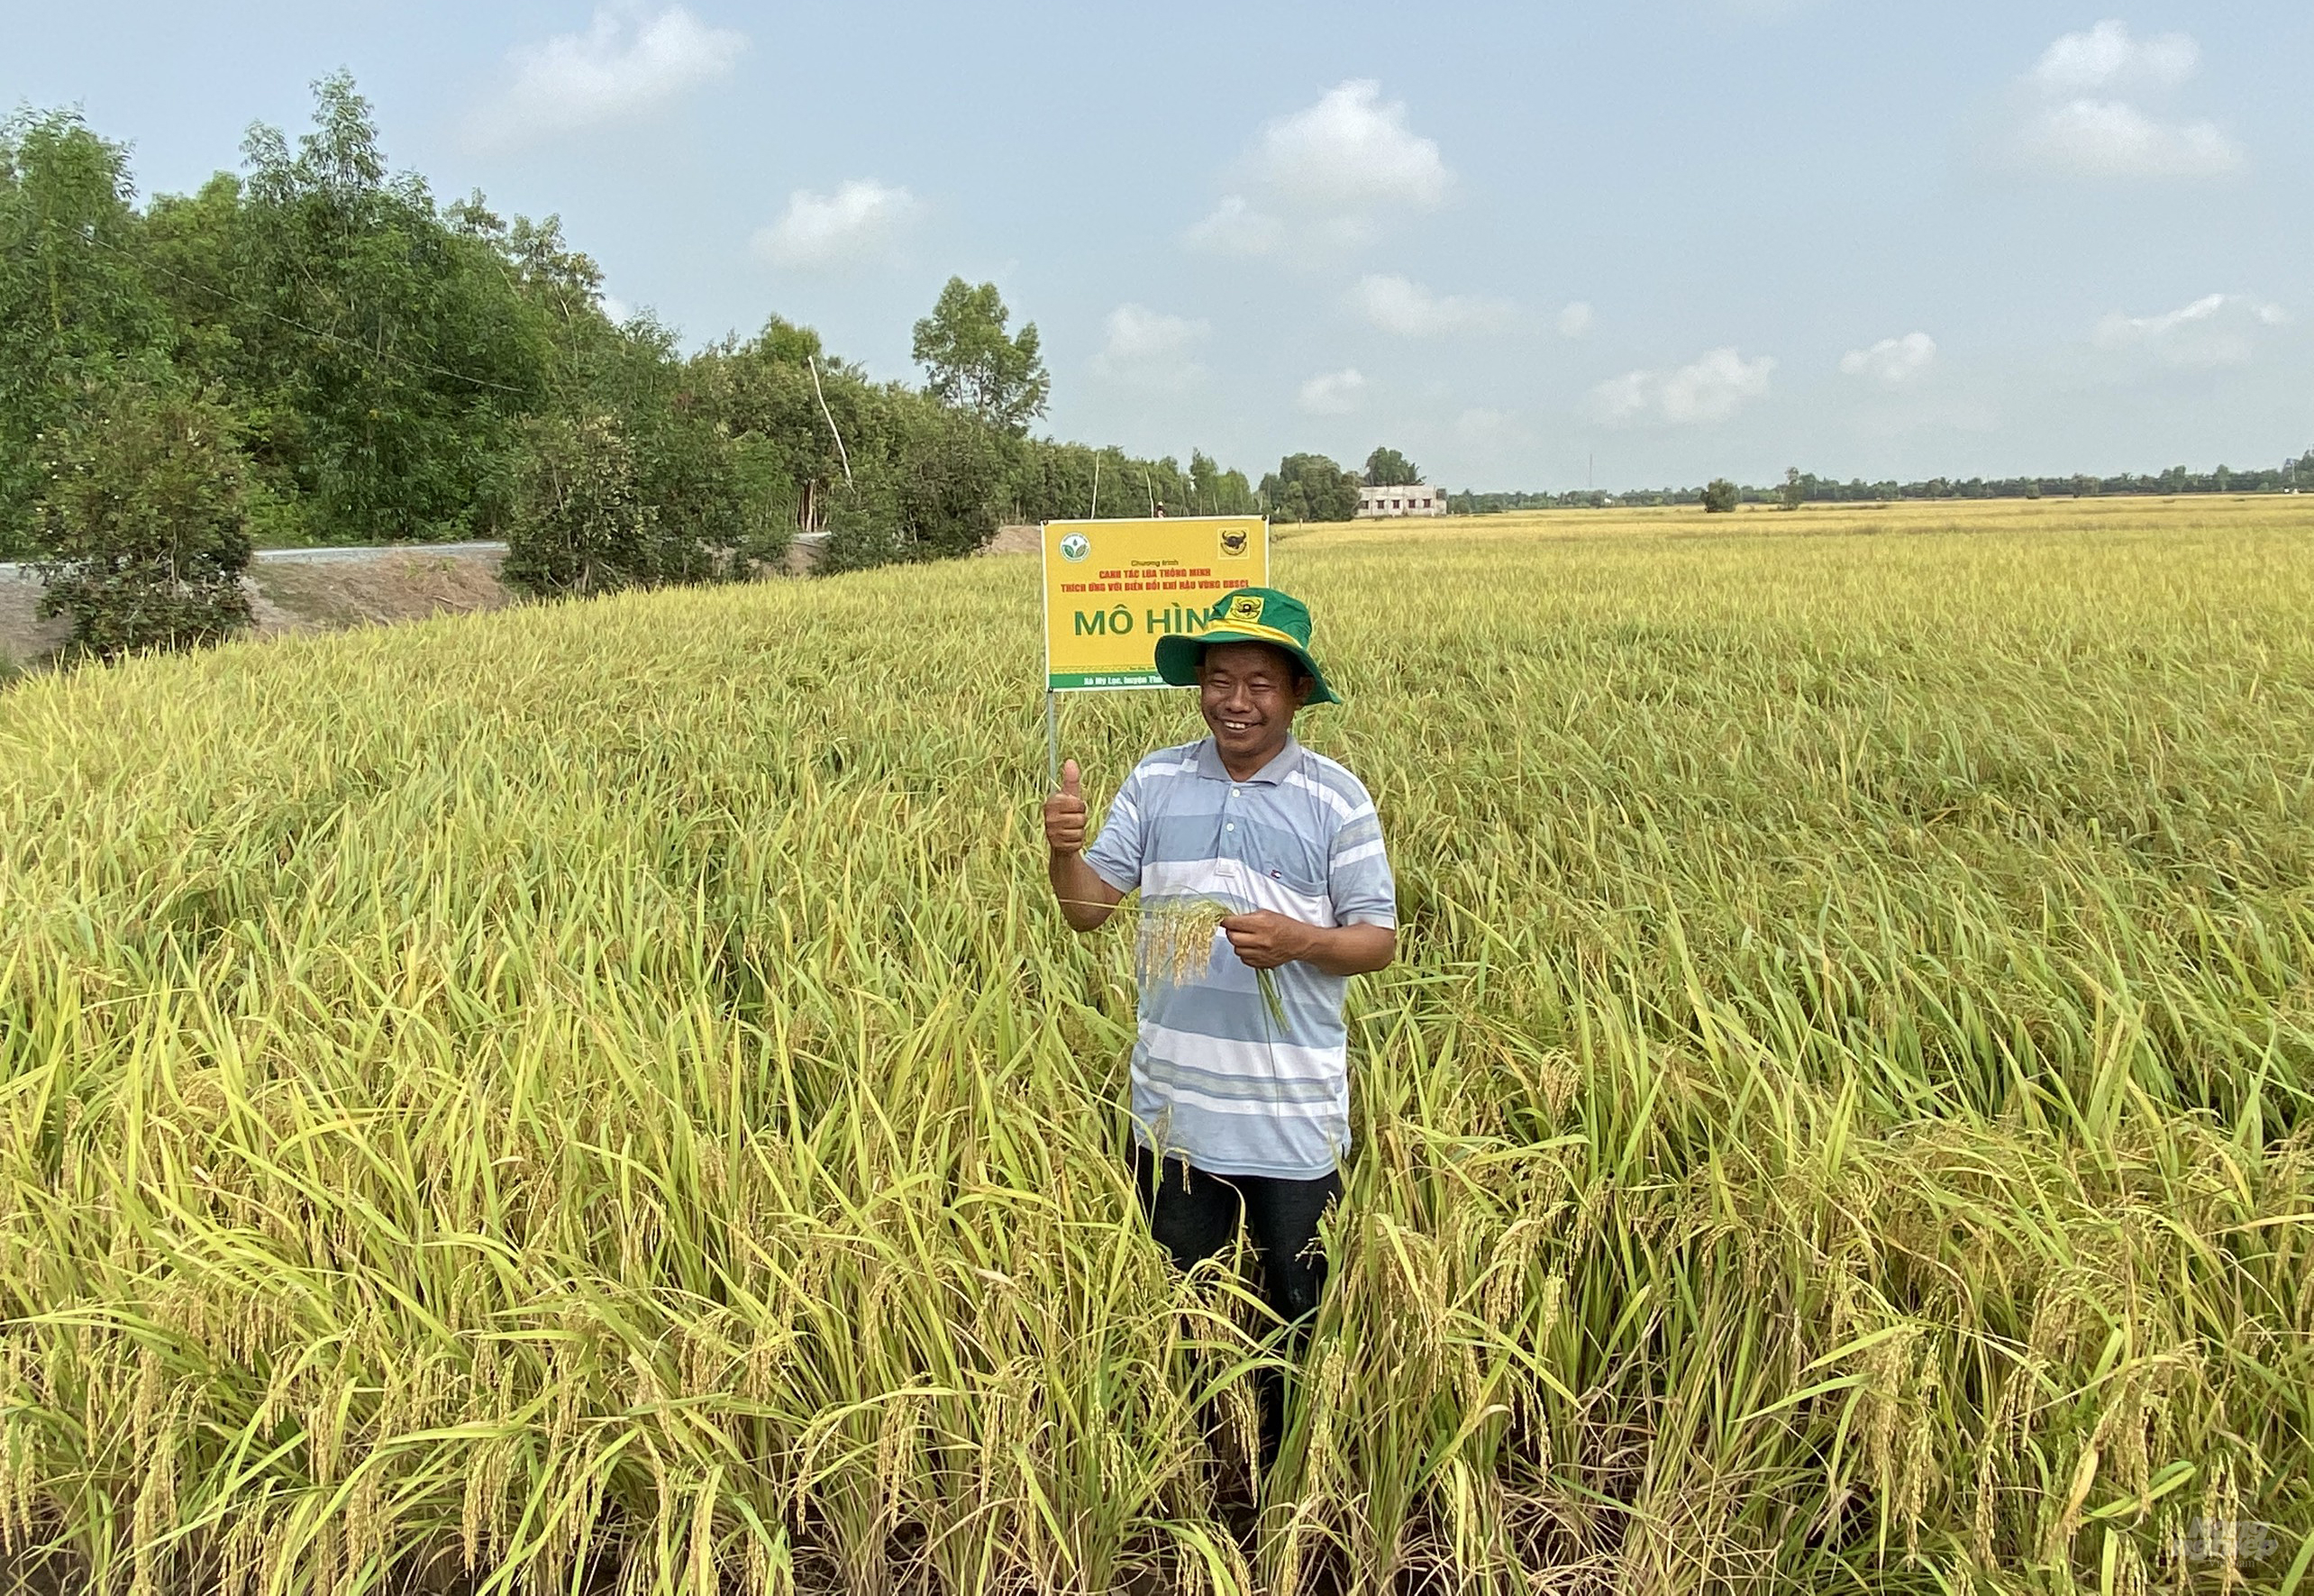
x: 862, y: 531
x: 932, y: 495
x: 579, y: 526
x: 1720, y: 497
x: 601, y: 504
x: 141, y: 512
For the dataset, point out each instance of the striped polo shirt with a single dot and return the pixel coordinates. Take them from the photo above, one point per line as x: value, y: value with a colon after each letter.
x: 1219, y: 1078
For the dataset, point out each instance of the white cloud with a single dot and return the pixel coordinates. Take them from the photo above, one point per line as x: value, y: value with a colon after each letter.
x: 2215, y: 330
x: 1237, y: 228
x: 1351, y: 150
x: 626, y: 63
x: 1710, y: 389
x: 1149, y: 349
x: 2072, y: 122
x: 1715, y: 385
x: 1894, y: 361
x: 1333, y: 393
x: 1402, y: 306
x: 2114, y: 139
x: 2107, y: 56
x: 1319, y: 177
x: 1624, y: 398
x: 861, y: 219
x: 1576, y: 320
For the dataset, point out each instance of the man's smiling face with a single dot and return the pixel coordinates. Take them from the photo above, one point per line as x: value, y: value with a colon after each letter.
x: 1248, y: 693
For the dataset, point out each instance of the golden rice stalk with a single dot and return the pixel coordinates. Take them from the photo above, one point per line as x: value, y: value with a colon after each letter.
x: 702, y: 1562
x: 1328, y: 1383
x: 1241, y: 1412
x: 1176, y: 947
x: 770, y: 1569
x: 1177, y: 939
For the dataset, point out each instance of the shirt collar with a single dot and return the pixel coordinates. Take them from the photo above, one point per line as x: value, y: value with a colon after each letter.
x: 1288, y: 759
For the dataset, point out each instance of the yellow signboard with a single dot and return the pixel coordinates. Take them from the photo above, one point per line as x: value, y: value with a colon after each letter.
x: 1112, y: 589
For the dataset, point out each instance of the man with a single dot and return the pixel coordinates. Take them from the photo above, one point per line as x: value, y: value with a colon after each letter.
x: 1241, y: 1089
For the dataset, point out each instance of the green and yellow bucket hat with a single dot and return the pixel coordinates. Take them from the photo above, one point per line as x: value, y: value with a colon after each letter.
x: 1250, y: 615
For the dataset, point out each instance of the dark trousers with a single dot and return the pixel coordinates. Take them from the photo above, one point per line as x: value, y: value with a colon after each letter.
x: 1195, y: 1216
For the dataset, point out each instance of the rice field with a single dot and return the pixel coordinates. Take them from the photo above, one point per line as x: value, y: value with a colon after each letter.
x: 596, y: 1097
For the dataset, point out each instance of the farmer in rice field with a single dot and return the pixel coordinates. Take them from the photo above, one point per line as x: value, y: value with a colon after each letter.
x: 1241, y: 1086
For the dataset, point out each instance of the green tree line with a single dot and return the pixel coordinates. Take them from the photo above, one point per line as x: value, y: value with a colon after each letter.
x: 1799, y: 488
x: 315, y: 349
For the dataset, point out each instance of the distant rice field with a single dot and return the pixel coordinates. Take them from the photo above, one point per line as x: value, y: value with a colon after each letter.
x: 597, y: 1095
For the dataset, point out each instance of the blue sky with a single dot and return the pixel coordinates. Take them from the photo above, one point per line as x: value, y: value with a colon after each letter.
x: 1677, y: 237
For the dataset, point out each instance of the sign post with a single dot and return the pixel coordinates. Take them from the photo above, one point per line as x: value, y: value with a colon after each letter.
x: 1112, y: 589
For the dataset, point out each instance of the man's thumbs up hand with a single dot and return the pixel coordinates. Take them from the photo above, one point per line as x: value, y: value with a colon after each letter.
x: 1064, y: 814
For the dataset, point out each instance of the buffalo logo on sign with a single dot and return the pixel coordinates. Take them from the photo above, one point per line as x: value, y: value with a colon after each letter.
x: 1234, y: 540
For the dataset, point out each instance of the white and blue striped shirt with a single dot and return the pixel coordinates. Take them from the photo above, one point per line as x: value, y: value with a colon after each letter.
x: 1217, y: 1080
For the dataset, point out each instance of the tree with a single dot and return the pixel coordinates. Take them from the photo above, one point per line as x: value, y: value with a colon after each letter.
x: 1047, y: 481
x: 1310, y: 488
x: 580, y: 526
x: 718, y: 508
x: 1387, y: 468
x: 385, y: 355
x: 949, y: 470
x: 143, y: 516
x: 971, y: 362
x: 1721, y: 495
x: 399, y: 369
x: 917, y: 478
x: 1215, y: 492
x: 928, y: 492
x: 74, y: 305
x: 926, y: 486
x: 1795, y: 491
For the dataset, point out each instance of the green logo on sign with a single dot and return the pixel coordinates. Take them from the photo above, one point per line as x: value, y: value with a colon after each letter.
x: 1075, y: 546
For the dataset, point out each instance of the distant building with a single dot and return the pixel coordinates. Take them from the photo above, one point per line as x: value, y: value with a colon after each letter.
x: 1414, y: 499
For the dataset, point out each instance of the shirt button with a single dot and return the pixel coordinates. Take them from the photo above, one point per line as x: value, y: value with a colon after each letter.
x: 1231, y: 826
